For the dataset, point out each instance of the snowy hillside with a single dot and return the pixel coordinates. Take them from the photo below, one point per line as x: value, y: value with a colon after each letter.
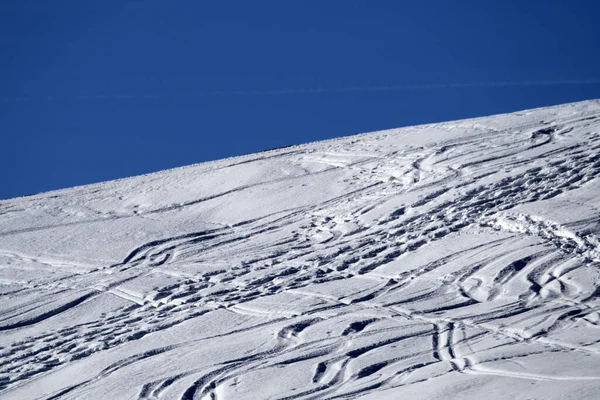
x: 454, y: 260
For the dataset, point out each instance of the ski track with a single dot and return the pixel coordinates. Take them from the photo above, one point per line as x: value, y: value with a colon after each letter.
x: 473, y: 252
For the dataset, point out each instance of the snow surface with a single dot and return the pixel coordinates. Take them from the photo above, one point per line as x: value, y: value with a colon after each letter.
x: 453, y: 260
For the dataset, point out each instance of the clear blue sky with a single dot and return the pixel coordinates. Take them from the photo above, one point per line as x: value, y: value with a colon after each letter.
x: 92, y: 91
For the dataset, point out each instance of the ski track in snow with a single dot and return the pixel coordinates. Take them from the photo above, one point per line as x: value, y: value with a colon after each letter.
x: 463, y: 254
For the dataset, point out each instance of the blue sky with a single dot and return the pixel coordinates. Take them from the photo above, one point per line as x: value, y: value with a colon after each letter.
x: 92, y: 91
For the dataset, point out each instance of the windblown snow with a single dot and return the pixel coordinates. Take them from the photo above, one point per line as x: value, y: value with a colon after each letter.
x: 452, y: 260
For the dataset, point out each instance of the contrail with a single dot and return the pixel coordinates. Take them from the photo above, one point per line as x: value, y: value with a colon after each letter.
x: 425, y: 86
x: 311, y: 90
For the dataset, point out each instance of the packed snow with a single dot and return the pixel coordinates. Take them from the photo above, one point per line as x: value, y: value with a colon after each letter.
x: 452, y: 260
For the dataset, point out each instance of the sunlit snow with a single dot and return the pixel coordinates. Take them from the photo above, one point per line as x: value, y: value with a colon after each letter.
x: 453, y: 260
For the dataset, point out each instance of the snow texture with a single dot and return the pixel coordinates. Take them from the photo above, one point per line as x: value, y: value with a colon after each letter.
x: 453, y: 260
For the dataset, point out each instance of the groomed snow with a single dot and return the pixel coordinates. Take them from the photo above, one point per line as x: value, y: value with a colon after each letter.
x: 453, y: 260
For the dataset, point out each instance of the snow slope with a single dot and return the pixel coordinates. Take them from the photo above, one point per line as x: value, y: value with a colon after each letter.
x: 453, y: 260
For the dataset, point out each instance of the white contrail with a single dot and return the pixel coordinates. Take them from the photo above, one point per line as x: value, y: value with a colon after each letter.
x: 312, y: 90
x: 429, y: 86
